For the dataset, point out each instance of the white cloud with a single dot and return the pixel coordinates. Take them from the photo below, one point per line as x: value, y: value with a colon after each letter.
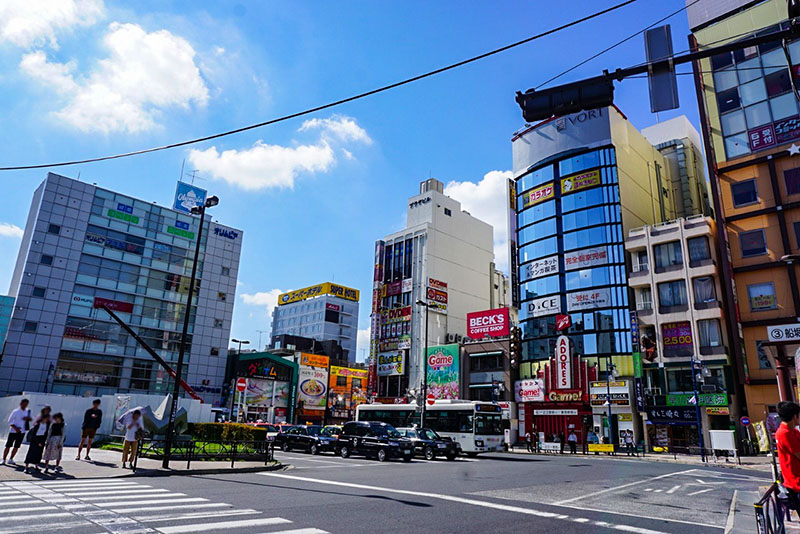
x: 263, y: 299
x: 28, y: 23
x: 486, y: 200
x: 362, y: 343
x: 265, y: 166
x: 143, y: 75
x: 10, y: 230
x: 338, y: 127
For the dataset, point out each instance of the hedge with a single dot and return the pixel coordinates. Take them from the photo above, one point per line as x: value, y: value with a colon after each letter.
x: 226, y: 432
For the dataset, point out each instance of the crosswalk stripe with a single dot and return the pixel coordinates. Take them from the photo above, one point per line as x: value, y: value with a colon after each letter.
x: 33, y: 516
x: 156, y: 501
x: 126, y: 492
x: 45, y: 527
x: 166, y: 495
x: 161, y: 508
x: 13, y: 497
x: 149, y: 518
x: 80, y: 487
x: 87, y: 482
x: 300, y: 531
x: 201, y: 527
x: 5, y: 511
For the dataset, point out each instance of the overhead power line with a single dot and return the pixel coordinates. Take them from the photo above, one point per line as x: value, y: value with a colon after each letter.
x: 625, y: 40
x: 330, y: 104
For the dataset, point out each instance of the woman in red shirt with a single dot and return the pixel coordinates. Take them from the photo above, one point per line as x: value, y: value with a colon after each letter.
x: 787, y: 441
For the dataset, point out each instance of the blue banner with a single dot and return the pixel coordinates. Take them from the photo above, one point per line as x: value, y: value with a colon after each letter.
x: 188, y: 196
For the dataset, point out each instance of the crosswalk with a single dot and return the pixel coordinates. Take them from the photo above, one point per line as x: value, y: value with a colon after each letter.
x: 123, y: 506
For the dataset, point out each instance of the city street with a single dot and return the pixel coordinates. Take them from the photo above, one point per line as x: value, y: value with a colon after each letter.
x: 318, y: 494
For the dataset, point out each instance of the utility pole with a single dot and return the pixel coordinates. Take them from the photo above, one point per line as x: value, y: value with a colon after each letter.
x: 427, y: 306
x: 260, y: 347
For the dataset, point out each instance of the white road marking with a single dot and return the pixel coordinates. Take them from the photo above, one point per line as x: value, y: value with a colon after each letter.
x: 33, y: 516
x: 36, y: 508
x: 698, y: 492
x: 648, y: 489
x: 14, y: 497
x: 126, y: 492
x: 156, y: 501
x: 114, y: 487
x: 640, y: 516
x: 162, y: 508
x: 182, y: 529
x: 26, y: 529
x: 300, y: 531
x: 79, y: 484
x: 324, y: 461
x: 461, y: 500
x: 166, y: 495
x: 148, y: 518
x: 93, y: 482
x: 731, y: 512
x: 617, y: 488
x: 673, y: 489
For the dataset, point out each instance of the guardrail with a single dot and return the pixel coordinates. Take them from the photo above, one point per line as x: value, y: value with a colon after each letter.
x: 770, y: 512
x: 206, y: 450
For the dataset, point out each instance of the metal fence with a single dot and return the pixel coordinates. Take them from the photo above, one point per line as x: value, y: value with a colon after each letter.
x: 207, y: 450
x: 770, y: 512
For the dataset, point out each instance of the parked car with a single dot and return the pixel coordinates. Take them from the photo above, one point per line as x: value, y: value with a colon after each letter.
x: 378, y: 440
x: 332, y: 430
x: 272, y: 430
x: 309, y: 438
x: 430, y: 444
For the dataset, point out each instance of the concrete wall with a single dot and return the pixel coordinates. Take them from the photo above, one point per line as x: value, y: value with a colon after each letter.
x: 73, y: 408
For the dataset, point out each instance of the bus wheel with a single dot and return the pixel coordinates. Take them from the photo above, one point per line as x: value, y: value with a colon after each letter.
x: 429, y: 453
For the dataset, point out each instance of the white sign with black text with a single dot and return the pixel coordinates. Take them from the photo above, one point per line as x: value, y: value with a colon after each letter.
x: 544, y: 306
x: 588, y: 300
x: 543, y: 267
x: 784, y: 332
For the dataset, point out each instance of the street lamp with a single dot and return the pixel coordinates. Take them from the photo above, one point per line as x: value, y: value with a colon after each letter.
x: 210, y: 202
x: 240, y: 342
x: 697, y: 369
x: 427, y: 307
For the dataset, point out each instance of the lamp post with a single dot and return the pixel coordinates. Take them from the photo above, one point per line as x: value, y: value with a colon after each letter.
x: 240, y: 342
x: 697, y: 413
x: 609, y: 376
x: 197, y: 210
x: 242, y: 402
x: 424, y: 364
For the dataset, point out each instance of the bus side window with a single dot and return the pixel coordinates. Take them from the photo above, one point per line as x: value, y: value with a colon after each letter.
x: 465, y: 422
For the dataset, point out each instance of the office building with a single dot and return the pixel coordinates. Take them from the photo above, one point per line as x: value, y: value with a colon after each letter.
x: 677, y: 290
x: 444, y: 257
x: 6, y: 307
x: 324, y: 312
x: 580, y: 183
x: 749, y: 117
x: 84, y: 247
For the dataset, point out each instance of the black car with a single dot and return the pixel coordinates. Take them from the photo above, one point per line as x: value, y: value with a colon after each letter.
x: 311, y: 438
x: 379, y: 440
x: 430, y: 444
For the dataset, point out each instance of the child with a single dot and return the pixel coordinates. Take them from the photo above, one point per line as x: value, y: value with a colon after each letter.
x: 55, y: 442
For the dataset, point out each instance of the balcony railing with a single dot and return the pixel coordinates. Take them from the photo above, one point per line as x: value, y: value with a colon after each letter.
x: 640, y: 268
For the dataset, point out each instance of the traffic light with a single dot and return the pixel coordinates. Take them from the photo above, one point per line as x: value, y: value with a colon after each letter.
x: 565, y: 99
x: 515, y: 347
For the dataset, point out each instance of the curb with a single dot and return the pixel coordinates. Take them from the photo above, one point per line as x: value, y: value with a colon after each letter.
x: 215, y: 471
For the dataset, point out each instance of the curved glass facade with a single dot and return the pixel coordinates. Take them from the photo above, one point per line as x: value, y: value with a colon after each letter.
x: 571, y: 256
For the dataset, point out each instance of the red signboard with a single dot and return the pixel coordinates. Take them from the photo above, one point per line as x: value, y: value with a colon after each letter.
x: 563, y: 363
x: 395, y: 288
x: 115, y: 305
x: 492, y: 323
x: 437, y: 284
x: 435, y: 295
x: 562, y: 322
x: 332, y: 307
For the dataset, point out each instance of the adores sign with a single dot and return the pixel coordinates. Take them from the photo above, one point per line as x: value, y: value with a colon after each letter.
x: 491, y: 323
x: 563, y: 364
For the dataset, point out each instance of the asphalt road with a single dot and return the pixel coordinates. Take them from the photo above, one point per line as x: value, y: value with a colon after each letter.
x: 326, y: 494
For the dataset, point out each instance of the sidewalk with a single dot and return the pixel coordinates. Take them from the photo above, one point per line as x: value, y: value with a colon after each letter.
x: 758, y: 463
x: 106, y: 464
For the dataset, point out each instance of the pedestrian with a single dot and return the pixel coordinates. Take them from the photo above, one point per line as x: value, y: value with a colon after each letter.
x: 573, y: 442
x: 529, y: 441
x: 561, y: 440
x: 787, y: 441
x: 133, y: 424
x: 19, y: 422
x: 37, y: 436
x: 630, y: 447
x: 54, y: 445
x: 92, y: 419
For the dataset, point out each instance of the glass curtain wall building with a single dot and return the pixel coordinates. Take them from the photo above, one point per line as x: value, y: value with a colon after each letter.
x: 85, y: 247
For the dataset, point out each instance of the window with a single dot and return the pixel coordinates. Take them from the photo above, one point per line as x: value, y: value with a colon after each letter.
x: 753, y: 243
x: 668, y: 254
x: 214, y: 351
x: 645, y: 299
x: 641, y: 261
x: 709, y: 333
x: 728, y: 100
x: 744, y: 193
x: 54, y: 229
x: 38, y: 292
x: 762, y: 296
x: 218, y: 323
x: 778, y: 82
x: 792, y: 179
x: 704, y: 291
x: 222, y: 296
x: 698, y: 249
x: 672, y: 294
x: 341, y: 381
x: 448, y: 212
x: 226, y: 271
x: 46, y: 259
x: 30, y: 327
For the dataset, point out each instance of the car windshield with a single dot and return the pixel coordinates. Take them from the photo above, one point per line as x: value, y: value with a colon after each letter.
x: 488, y: 424
x: 331, y: 431
x: 314, y: 430
x: 386, y: 430
x: 427, y: 433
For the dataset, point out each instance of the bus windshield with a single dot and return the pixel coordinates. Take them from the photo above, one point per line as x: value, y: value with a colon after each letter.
x: 488, y: 424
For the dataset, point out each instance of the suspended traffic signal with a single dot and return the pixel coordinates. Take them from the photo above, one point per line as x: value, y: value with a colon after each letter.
x: 515, y: 347
x: 565, y: 99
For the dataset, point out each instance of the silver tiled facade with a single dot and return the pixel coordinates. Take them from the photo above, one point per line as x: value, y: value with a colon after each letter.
x: 82, y: 243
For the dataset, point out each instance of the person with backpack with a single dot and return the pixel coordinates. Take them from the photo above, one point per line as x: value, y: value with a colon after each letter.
x: 37, y: 436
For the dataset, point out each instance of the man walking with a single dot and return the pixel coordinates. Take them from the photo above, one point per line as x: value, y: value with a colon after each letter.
x: 18, y: 423
x: 91, y: 422
x: 529, y: 441
x: 573, y: 442
x: 787, y: 440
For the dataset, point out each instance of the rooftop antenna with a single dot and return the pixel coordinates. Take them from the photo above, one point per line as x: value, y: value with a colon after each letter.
x: 182, y: 164
x: 193, y: 174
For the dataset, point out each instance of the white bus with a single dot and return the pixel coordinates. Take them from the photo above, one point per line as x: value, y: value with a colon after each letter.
x: 476, y: 426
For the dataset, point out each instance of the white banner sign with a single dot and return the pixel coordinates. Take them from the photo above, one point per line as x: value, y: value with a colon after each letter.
x: 543, y: 267
x: 563, y: 364
x: 588, y: 300
x: 407, y: 285
x: 784, y: 332
x: 529, y: 390
x: 555, y: 412
x: 588, y: 257
x: 544, y: 306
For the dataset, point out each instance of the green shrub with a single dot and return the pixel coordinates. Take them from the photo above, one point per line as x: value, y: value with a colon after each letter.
x: 207, y: 431
x: 226, y: 432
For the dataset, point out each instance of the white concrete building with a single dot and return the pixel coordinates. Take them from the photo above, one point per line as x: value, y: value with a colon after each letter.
x: 443, y: 253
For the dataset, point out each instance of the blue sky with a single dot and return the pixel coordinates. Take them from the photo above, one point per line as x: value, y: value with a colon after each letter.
x: 311, y: 194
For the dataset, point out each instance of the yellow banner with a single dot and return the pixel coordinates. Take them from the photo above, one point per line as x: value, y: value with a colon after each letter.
x: 320, y: 289
x: 313, y: 360
x: 540, y: 194
x: 601, y: 447
x: 570, y: 184
x: 347, y: 371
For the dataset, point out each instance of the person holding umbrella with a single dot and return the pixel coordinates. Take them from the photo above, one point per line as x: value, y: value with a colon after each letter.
x: 132, y: 425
